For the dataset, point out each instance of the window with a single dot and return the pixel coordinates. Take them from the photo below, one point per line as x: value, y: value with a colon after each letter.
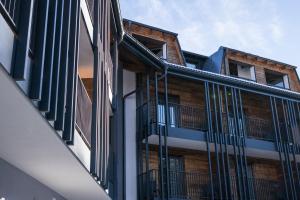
x: 173, y: 110
x: 277, y: 79
x: 191, y: 65
x: 161, y: 115
x: 157, y: 47
x: 242, y: 70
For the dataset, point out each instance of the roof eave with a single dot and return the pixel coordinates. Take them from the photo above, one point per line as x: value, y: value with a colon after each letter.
x: 143, y: 52
x: 283, y: 93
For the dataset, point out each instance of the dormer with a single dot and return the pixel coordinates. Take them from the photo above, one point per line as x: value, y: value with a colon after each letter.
x: 161, y: 42
x: 258, y: 69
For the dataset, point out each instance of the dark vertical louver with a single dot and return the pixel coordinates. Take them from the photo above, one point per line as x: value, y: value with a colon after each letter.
x: 102, y: 85
x: 45, y: 66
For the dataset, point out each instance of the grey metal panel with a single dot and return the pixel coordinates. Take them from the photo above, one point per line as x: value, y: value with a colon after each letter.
x: 51, y: 115
x: 23, y: 42
x: 63, y: 74
x: 44, y: 104
x: 214, y: 62
x: 72, y: 69
x: 40, y: 49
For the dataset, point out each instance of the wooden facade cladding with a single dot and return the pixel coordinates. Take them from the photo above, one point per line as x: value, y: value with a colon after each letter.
x: 232, y: 114
x: 196, y: 161
x: 173, y: 47
x: 261, y: 65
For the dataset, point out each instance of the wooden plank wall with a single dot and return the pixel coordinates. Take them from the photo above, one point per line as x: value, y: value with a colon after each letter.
x: 261, y: 65
x: 192, y: 94
x: 196, y: 161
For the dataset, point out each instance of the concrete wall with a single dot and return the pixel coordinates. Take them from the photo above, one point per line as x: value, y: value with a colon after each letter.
x: 81, y: 150
x: 129, y: 84
x: 14, y: 184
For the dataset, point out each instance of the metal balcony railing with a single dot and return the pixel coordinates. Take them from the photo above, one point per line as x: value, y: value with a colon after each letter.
x: 180, y: 116
x: 194, y: 117
x: 83, y: 112
x: 196, y: 185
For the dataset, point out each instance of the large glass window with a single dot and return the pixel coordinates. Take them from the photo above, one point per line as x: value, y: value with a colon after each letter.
x: 276, y: 79
x: 191, y: 65
x: 241, y: 70
x: 159, y: 48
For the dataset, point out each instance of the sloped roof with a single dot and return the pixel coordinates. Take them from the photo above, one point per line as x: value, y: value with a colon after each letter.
x: 150, y: 27
x: 202, y: 74
x: 261, y: 58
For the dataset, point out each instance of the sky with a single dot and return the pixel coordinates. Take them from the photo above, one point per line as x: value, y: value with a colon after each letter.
x: 268, y: 28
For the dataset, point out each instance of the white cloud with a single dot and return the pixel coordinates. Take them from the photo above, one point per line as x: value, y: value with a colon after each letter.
x: 203, y: 25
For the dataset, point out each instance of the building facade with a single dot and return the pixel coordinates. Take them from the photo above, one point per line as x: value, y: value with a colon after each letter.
x: 94, y: 106
x: 58, y: 64
x: 224, y: 126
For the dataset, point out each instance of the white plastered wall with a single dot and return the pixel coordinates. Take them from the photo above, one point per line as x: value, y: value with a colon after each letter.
x: 129, y: 84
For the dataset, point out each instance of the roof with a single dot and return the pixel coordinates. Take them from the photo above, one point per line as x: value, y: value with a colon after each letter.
x: 262, y: 58
x: 202, y: 74
x: 151, y: 27
x: 226, y: 80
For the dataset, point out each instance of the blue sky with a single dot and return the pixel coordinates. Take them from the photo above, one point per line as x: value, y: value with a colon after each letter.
x: 269, y: 28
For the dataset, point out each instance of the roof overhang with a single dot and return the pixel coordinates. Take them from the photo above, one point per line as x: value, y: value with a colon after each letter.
x: 143, y: 52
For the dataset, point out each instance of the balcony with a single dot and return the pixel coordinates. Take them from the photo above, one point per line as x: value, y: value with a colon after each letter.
x: 194, y: 117
x: 196, y: 185
x: 83, y: 113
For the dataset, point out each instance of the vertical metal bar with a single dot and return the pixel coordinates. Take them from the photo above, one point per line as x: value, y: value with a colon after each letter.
x: 60, y: 120
x: 51, y: 115
x: 226, y: 147
x: 237, y: 166
x: 278, y: 141
x: 40, y: 49
x: 161, y: 178
x: 221, y: 135
x: 148, y: 133
x: 68, y: 133
x: 94, y: 124
x: 286, y: 147
x: 293, y: 123
x: 75, y: 77
x: 215, y: 133
x: 44, y: 104
x: 24, y: 29
x: 166, y: 132
x: 290, y: 143
x: 102, y: 96
x: 239, y: 137
x: 208, y: 133
x: 243, y: 145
